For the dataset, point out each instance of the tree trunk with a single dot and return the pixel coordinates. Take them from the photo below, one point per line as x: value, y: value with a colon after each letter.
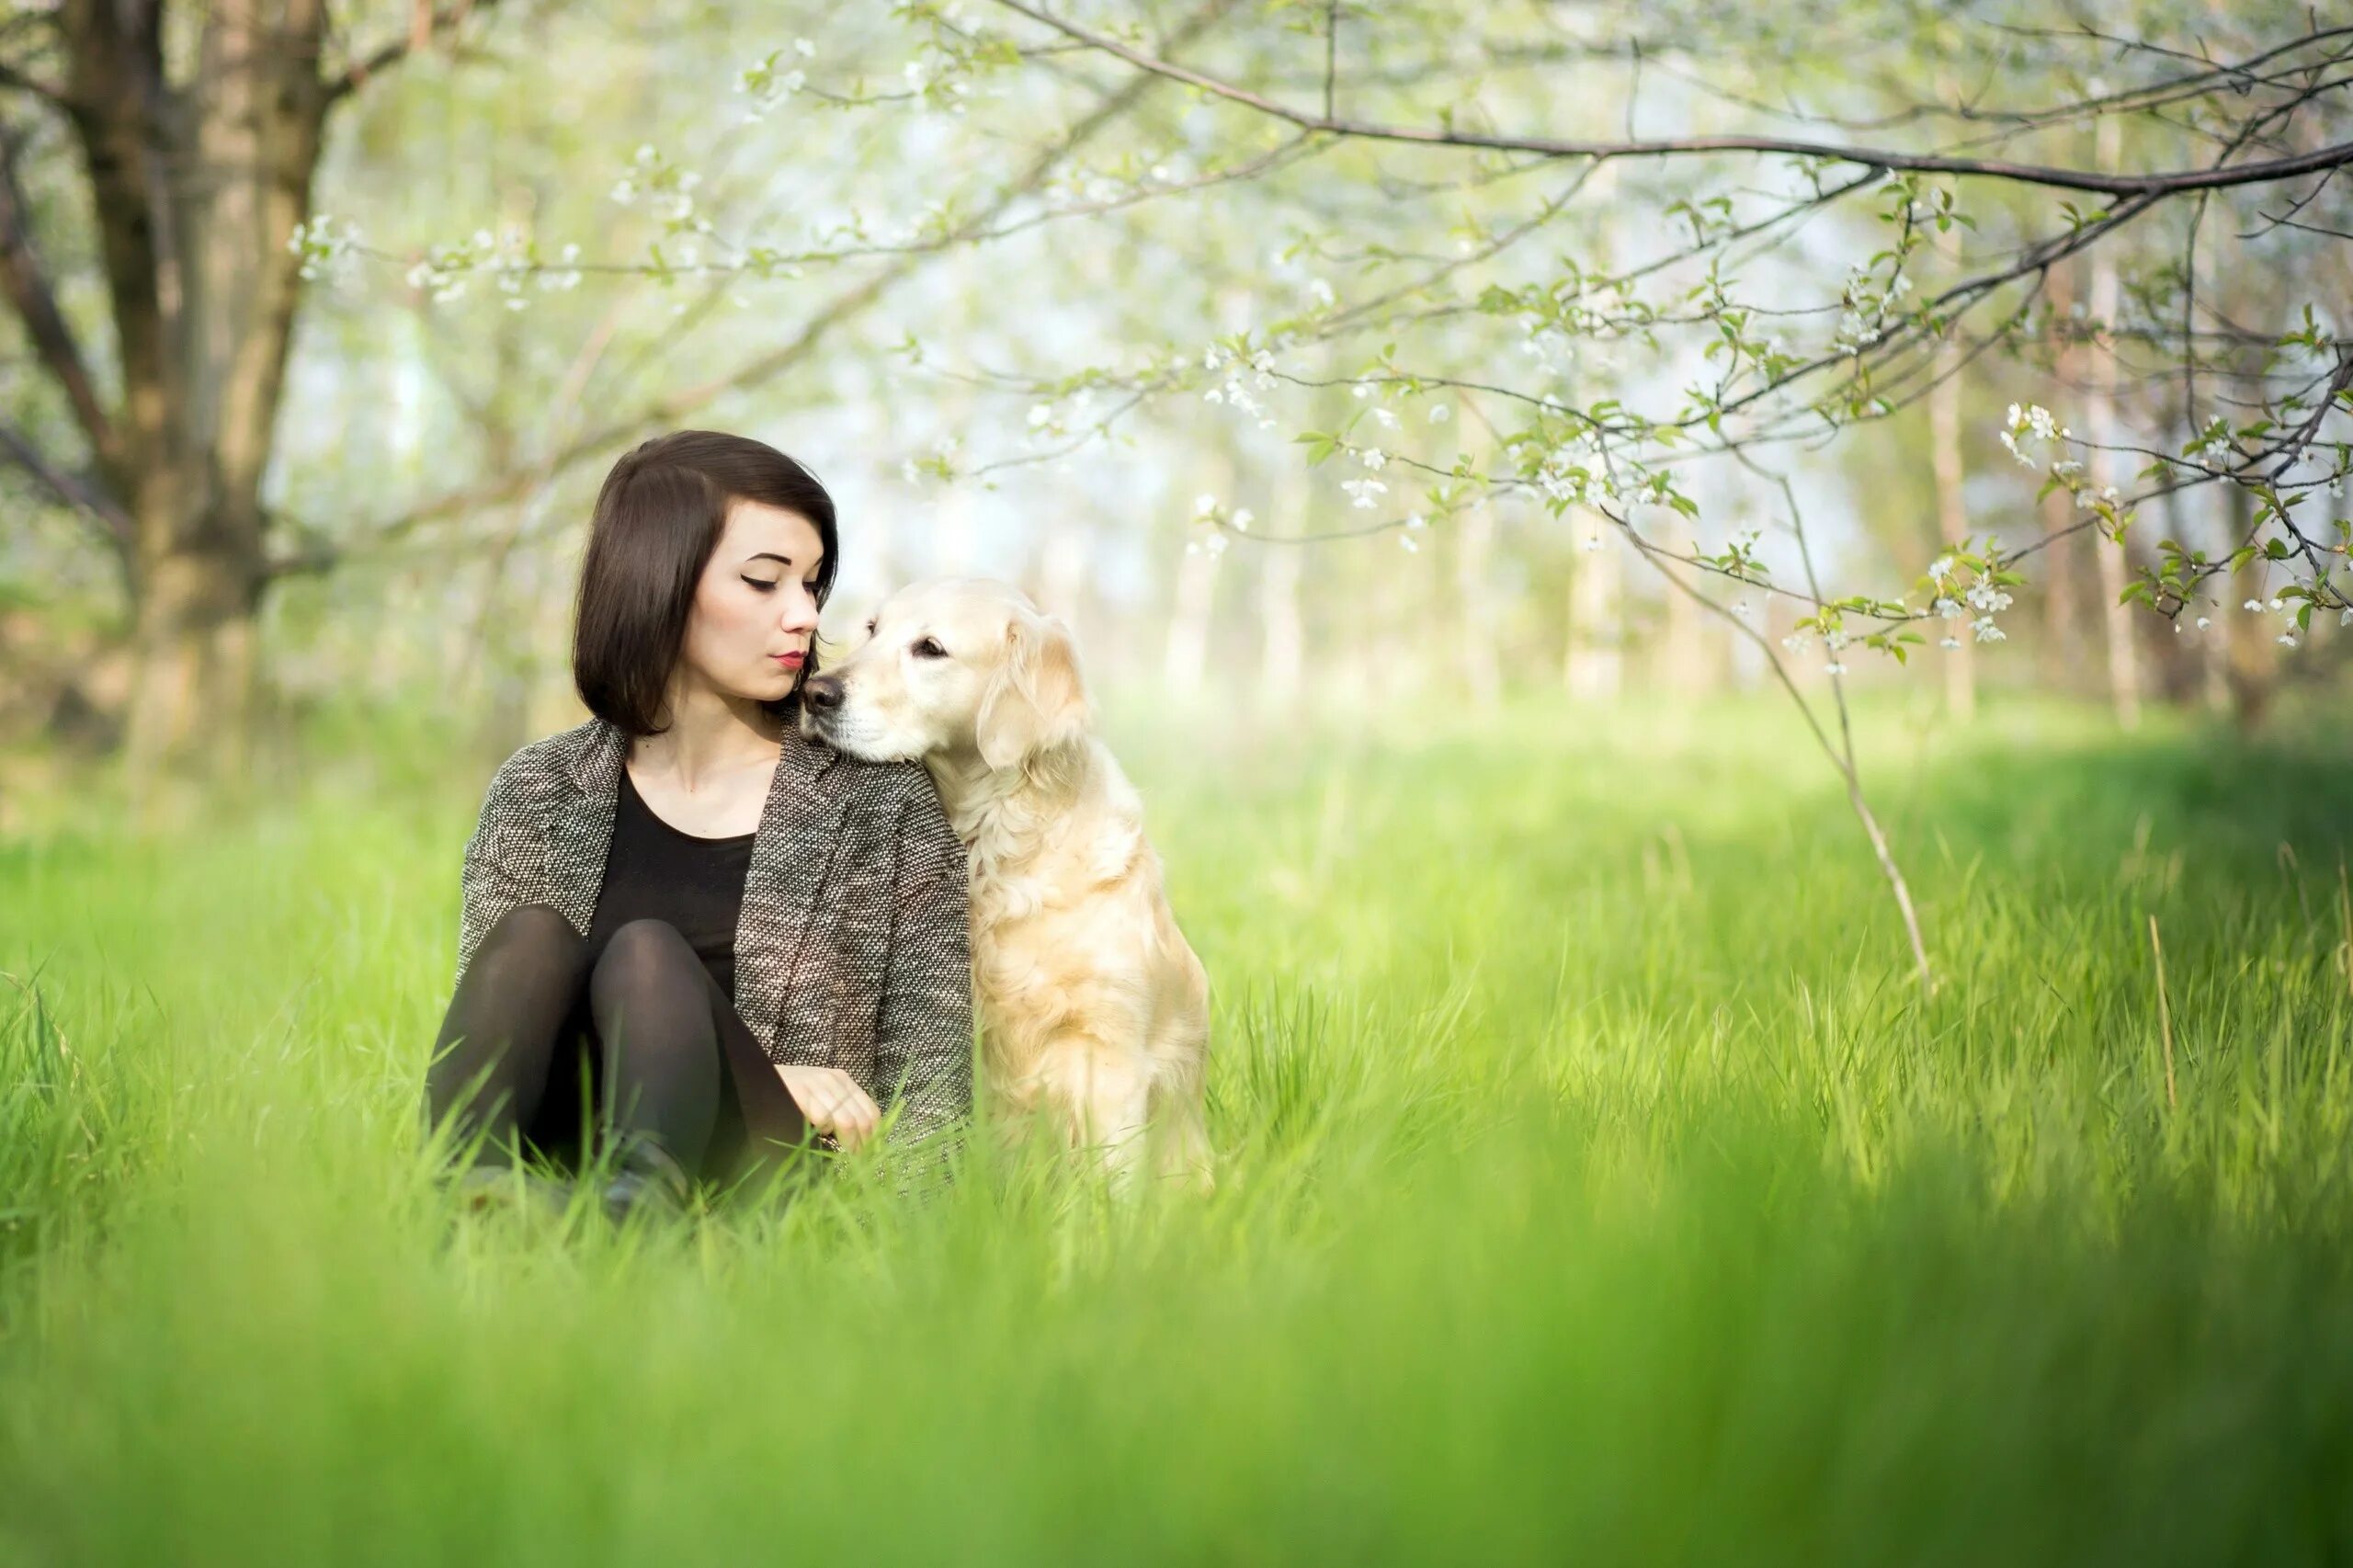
x: 2061, y: 642
x: 1687, y: 657
x: 1475, y: 598
x: 197, y: 191
x: 2254, y: 655
x: 1944, y: 458
x: 1594, y: 666
x: 1062, y: 572
x: 2217, y: 641
x: 1187, y: 654
x: 2123, y: 664
x: 1952, y: 519
x: 1282, y: 651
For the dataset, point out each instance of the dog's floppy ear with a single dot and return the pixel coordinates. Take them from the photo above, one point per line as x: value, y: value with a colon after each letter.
x: 1036, y: 700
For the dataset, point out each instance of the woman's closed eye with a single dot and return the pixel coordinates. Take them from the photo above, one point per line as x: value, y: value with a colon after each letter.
x: 766, y: 586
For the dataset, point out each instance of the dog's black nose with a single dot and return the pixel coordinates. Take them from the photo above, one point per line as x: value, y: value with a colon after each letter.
x: 823, y: 693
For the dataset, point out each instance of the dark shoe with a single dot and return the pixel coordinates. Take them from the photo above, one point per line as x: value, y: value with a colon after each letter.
x: 480, y: 1189
x: 651, y: 1179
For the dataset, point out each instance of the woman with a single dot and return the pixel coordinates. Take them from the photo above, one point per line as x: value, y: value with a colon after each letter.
x: 735, y: 936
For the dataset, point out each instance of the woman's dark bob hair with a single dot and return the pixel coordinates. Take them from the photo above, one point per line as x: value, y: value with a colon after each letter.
x: 658, y: 518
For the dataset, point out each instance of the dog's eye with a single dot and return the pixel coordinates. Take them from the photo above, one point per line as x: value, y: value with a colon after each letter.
x: 929, y: 648
x: 870, y: 629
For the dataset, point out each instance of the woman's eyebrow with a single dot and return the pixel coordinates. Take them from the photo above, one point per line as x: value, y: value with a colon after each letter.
x: 771, y: 556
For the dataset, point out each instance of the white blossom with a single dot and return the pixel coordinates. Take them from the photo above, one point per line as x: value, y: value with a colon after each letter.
x: 2033, y: 420
x: 1363, y: 491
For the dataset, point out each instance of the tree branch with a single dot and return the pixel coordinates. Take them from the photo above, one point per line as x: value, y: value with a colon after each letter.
x: 73, y: 490
x: 27, y: 285
x: 357, y: 74
x: 2117, y: 184
x: 16, y: 80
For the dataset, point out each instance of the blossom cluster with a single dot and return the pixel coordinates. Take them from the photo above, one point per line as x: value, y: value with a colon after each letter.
x: 1258, y: 366
x: 2034, y: 422
x: 766, y: 85
x: 325, y: 251
x: 512, y: 260
x: 1211, y: 522
x: 1978, y: 601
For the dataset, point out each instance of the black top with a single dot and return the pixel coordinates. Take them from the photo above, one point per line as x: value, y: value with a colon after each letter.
x: 655, y: 872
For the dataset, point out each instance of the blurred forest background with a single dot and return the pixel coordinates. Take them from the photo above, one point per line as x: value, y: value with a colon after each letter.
x: 1457, y: 434
x: 328, y: 320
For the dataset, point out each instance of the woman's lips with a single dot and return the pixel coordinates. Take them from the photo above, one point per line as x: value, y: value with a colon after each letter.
x: 791, y: 661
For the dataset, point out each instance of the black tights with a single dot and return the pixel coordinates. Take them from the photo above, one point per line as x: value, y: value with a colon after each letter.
x: 667, y: 1058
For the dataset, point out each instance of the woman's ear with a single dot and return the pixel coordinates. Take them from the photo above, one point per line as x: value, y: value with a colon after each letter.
x: 1036, y: 700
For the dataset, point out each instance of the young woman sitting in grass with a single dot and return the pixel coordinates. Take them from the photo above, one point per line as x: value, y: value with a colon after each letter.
x: 714, y: 936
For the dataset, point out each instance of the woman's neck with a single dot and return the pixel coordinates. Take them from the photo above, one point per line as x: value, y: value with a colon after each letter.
x: 708, y: 738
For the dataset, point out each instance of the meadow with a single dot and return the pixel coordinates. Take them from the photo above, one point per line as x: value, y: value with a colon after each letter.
x: 1595, y: 1181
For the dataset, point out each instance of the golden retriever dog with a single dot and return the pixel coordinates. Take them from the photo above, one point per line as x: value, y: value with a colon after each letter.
x: 1093, y: 1008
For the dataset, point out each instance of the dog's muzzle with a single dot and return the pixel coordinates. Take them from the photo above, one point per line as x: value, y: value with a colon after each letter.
x: 820, y: 705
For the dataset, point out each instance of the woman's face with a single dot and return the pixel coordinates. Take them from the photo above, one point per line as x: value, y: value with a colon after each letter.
x: 754, y: 612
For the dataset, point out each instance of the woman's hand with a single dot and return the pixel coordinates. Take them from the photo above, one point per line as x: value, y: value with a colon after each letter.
x: 833, y: 1102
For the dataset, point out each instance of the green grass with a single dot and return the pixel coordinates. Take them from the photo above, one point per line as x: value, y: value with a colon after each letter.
x: 1595, y: 1181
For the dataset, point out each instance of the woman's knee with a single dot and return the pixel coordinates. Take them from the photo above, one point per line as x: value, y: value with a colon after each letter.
x: 644, y: 951
x: 531, y: 941
x: 533, y: 925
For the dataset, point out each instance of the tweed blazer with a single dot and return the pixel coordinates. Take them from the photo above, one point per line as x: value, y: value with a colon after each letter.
x: 852, y: 950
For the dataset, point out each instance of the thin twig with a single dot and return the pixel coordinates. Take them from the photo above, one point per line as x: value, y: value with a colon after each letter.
x: 1845, y: 758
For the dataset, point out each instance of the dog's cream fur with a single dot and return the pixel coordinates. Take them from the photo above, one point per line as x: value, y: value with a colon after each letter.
x: 1093, y: 1008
